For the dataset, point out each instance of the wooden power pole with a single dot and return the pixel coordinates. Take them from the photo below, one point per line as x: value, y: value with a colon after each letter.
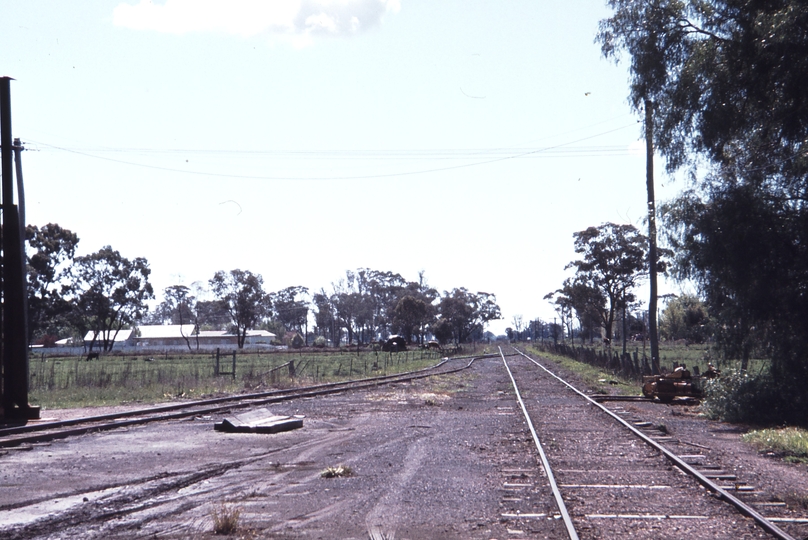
x: 652, y: 234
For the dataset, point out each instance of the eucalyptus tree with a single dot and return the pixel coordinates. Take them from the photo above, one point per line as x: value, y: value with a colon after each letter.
x: 242, y: 292
x: 109, y: 292
x: 612, y: 264
x: 585, y: 301
x: 181, y: 305
x: 291, y: 307
x: 728, y: 82
x: 409, y: 315
x: 686, y: 318
x: 51, y: 250
x: 325, y: 316
x: 464, y: 314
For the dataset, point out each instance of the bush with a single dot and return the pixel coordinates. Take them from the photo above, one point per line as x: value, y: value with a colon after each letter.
x: 761, y: 400
x: 225, y: 519
x: 319, y: 342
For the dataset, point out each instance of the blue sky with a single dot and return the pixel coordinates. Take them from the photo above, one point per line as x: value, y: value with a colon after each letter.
x: 302, y: 139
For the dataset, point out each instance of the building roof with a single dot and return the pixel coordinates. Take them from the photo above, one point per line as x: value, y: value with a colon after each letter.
x: 165, y: 331
x: 123, y: 335
x: 222, y: 333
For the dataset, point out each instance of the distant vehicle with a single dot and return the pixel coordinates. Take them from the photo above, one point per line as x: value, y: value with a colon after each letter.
x: 395, y: 344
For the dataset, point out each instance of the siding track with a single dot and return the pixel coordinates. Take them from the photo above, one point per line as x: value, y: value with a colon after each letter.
x: 37, y: 432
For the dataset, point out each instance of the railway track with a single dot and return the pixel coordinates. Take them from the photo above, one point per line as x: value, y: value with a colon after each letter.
x: 38, y: 432
x: 613, y: 476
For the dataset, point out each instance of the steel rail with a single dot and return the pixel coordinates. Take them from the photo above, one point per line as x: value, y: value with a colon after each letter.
x: 202, y: 402
x: 742, y: 507
x: 562, y: 507
x: 155, y: 414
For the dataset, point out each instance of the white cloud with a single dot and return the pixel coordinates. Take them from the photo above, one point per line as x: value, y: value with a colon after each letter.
x: 297, y: 19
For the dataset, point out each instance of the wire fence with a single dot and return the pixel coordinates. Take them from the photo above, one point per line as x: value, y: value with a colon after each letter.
x: 250, y: 369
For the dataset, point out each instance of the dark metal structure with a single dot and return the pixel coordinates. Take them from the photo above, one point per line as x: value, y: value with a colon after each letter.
x: 14, y: 344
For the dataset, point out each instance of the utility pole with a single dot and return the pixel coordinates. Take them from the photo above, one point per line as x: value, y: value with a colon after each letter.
x: 14, y: 394
x: 652, y: 234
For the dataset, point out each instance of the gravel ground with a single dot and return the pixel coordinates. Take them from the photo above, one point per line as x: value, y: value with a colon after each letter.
x: 443, y: 458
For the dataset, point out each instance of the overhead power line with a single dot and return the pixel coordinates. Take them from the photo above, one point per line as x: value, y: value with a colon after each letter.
x: 492, y: 155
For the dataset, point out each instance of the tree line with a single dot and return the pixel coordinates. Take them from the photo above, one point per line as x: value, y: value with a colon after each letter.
x: 104, y: 292
x: 726, y: 83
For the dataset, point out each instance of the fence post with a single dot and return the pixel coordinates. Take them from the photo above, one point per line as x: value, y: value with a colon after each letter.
x: 216, y: 365
x: 291, y: 369
x: 234, y: 365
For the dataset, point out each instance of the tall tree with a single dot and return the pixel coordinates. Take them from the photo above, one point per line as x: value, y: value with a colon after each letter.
x: 325, y: 316
x: 613, y: 262
x: 729, y: 79
x: 518, y: 324
x: 51, y: 252
x: 243, y: 294
x: 748, y: 256
x: 686, y: 318
x: 110, y: 292
x: 182, y: 306
x: 409, y: 315
x: 586, y: 301
x: 466, y: 313
x: 212, y: 314
x: 291, y: 307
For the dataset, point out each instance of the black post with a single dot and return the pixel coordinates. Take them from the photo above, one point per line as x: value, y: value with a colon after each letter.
x: 14, y: 311
x: 234, y: 365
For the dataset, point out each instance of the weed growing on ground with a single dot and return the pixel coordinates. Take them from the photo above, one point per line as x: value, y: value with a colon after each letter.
x: 791, y: 443
x: 225, y: 519
x: 340, y: 471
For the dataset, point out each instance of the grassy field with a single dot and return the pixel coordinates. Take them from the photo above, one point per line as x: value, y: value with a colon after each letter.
x: 59, y: 382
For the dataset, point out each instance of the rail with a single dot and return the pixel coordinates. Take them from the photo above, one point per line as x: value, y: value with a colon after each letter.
x: 742, y: 507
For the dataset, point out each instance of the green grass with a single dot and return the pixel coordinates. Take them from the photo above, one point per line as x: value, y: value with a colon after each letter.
x: 671, y: 352
x: 789, y: 443
x: 598, y: 380
x: 60, y: 382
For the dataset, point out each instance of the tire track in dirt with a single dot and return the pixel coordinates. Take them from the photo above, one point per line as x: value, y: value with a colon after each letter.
x: 384, y: 516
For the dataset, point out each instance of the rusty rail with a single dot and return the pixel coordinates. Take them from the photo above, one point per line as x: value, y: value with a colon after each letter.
x: 742, y: 507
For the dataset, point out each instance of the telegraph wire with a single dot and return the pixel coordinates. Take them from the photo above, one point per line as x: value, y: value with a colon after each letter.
x: 321, y: 178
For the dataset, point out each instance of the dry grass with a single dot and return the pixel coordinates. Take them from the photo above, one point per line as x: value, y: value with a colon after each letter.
x: 225, y: 519
x: 340, y: 471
